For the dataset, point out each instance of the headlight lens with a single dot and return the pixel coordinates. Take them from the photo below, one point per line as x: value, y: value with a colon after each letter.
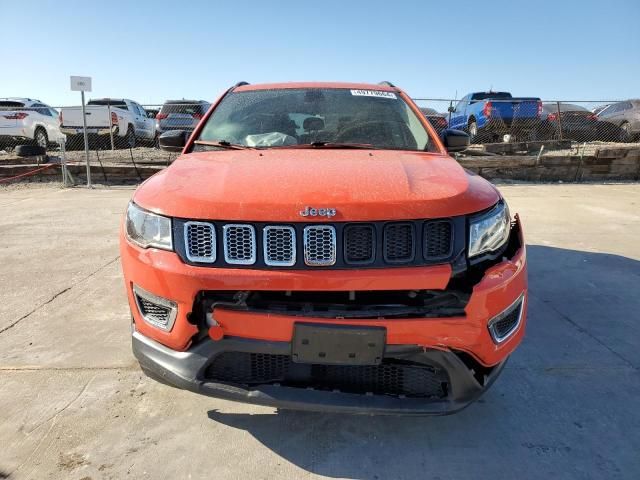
x: 147, y: 229
x: 489, y: 231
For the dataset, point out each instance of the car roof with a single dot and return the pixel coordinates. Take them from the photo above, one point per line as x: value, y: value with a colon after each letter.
x: 21, y: 99
x: 109, y: 99
x: 185, y: 101
x: 564, y: 106
x: 277, y: 86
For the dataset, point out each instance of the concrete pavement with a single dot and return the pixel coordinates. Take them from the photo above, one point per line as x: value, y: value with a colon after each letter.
x: 74, y: 405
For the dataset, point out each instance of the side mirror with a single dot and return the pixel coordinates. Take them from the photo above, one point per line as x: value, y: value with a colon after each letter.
x: 455, y: 140
x: 173, y: 140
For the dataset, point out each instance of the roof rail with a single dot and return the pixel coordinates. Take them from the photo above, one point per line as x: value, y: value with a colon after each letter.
x: 240, y: 84
x: 386, y: 84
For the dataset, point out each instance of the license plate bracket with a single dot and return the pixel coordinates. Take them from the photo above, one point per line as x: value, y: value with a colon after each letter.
x: 338, y: 344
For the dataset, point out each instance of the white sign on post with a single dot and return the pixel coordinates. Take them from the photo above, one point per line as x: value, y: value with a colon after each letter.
x: 80, y: 84
x: 83, y: 84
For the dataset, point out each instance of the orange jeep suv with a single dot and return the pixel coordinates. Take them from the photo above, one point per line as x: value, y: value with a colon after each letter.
x: 315, y: 247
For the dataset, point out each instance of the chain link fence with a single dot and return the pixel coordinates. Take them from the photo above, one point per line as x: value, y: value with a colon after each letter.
x: 126, y: 133
x: 519, y: 126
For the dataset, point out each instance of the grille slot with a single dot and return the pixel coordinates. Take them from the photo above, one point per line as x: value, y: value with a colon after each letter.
x: 359, y: 244
x: 319, y: 245
x: 200, y: 242
x: 399, y: 242
x: 438, y: 239
x: 279, y: 246
x: 392, y: 377
x: 239, y: 244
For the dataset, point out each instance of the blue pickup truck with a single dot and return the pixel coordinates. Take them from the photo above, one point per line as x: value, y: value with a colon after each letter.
x: 488, y: 116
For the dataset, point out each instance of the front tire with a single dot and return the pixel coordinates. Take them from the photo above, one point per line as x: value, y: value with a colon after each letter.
x: 129, y: 140
x: 472, y: 128
x: 40, y: 138
x: 626, y: 135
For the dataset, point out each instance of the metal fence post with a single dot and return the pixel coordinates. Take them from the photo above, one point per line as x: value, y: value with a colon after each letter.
x: 86, y: 140
x: 110, y: 125
x: 559, y: 120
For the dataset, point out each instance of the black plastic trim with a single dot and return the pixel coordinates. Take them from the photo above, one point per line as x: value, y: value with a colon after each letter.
x: 187, y: 371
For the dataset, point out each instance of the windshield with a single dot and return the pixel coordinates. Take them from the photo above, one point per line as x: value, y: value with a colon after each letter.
x: 289, y: 117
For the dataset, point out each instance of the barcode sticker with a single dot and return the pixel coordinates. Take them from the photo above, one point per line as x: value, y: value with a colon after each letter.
x: 373, y: 93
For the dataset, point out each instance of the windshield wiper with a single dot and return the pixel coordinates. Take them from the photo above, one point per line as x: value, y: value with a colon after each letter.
x: 221, y: 144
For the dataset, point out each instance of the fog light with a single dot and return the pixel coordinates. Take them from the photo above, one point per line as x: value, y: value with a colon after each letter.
x: 155, y: 310
x: 503, y: 325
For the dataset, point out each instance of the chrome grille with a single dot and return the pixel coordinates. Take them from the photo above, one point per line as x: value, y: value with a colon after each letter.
x: 279, y: 246
x: 239, y: 244
x: 200, y: 242
x: 319, y: 245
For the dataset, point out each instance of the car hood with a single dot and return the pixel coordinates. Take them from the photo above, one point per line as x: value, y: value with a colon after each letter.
x: 275, y: 185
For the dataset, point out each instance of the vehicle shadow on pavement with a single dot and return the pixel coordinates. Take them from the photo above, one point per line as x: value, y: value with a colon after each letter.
x: 543, y: 416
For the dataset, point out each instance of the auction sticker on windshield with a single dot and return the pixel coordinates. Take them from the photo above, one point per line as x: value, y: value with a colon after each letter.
x: 373, y: 93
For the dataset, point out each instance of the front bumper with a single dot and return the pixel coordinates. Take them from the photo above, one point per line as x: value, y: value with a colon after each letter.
x: 187, y: 370
x: 177, y: 358
x: 90, y: 131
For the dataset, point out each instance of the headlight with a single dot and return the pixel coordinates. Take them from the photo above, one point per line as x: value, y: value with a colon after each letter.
x: 147, y: 229
x: 489, y: 231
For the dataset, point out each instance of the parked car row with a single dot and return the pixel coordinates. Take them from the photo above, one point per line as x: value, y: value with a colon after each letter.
x: 128, y: 122
x: 485, y: 116
x: 488, y: 116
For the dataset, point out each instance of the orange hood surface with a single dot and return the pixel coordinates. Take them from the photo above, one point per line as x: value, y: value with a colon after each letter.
x: 276, y: 184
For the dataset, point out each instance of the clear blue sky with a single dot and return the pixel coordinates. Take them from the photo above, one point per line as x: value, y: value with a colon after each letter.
x: 154, y: 50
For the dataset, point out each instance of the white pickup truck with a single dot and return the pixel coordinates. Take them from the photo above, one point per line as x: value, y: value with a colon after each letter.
x: 127, y: 120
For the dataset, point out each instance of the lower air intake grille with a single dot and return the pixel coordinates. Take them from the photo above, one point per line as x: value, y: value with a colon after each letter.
x: 159, y: 312
x: 438, y: 239
x: 154, y: 313
x: 503, y: 325
x: 359, y: 244
x: 392, y: 377
x: 399, y: 244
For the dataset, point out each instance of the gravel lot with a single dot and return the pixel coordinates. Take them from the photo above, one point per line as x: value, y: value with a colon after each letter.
x: 74, y: 405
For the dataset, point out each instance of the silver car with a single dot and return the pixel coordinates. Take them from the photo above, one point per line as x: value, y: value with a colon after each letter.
x: 180, y: 115
x: 625, y: 114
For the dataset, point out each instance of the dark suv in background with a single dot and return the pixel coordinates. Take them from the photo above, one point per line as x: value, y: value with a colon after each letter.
x: 180, y: 115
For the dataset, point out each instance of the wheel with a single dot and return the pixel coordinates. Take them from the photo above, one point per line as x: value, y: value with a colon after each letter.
x: 129, y: 140
x: 473, y: 131
x: 131, y: 137
x: 626, y: 132
x: 40, y: 138
x: 31, y: 151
